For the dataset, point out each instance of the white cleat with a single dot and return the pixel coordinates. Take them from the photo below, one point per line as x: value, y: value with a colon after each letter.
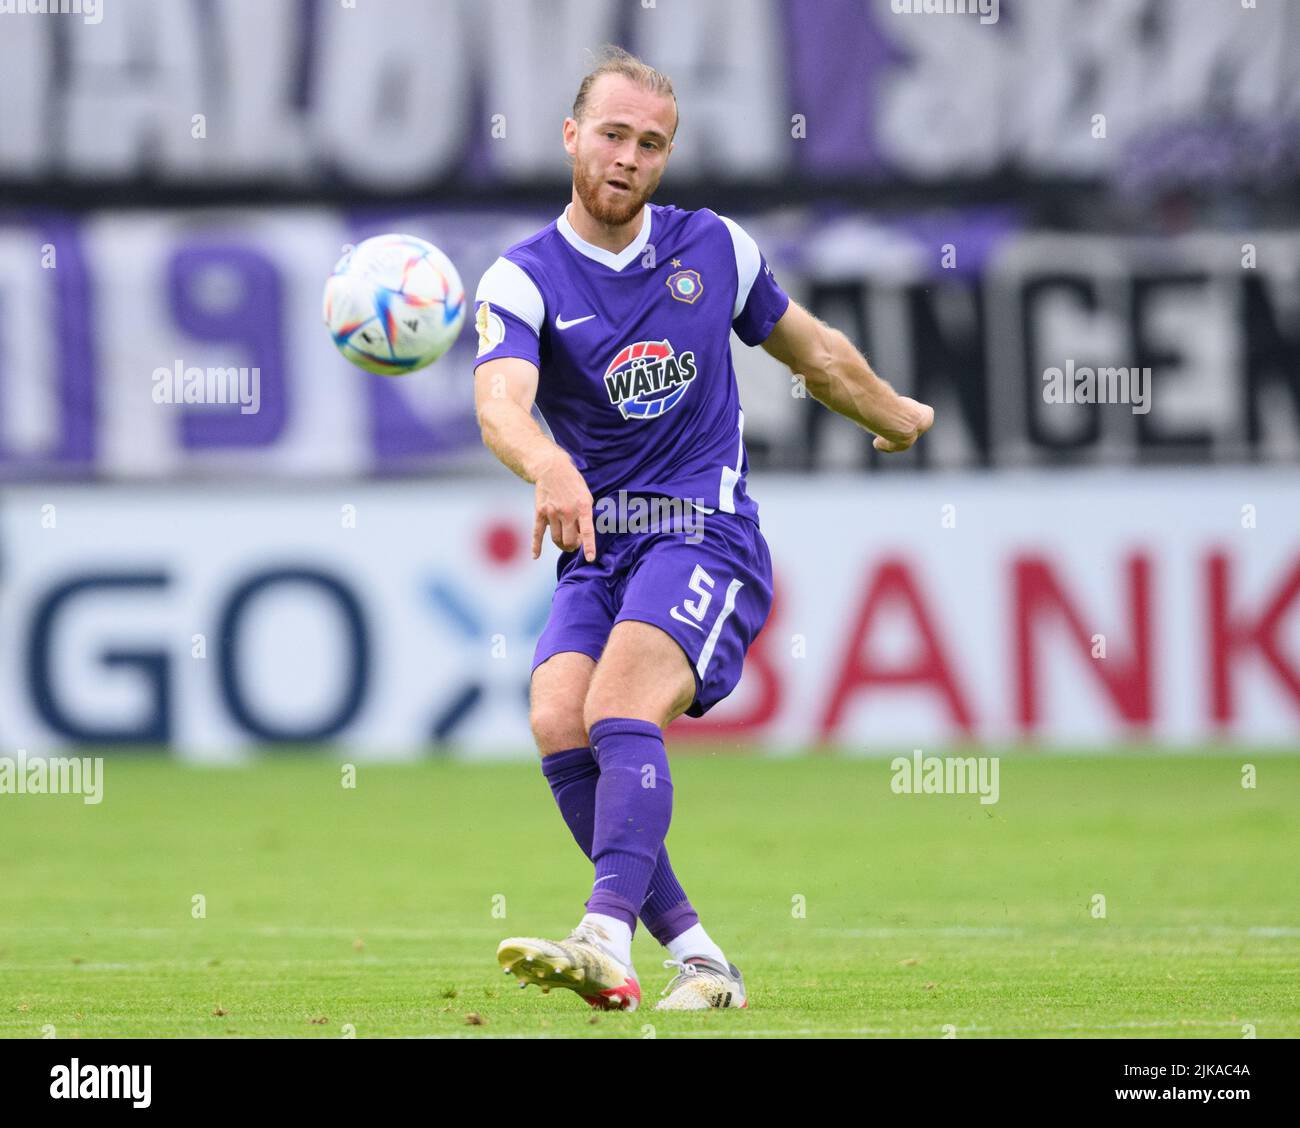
x: 582, y: 962
x: 701, y: 984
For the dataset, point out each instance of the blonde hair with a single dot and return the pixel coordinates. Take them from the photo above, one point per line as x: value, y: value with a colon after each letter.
x: 614, y: 60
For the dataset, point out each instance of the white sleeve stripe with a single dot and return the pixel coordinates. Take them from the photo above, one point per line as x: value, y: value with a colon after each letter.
x: 506, y: 286
x: 748, y: 261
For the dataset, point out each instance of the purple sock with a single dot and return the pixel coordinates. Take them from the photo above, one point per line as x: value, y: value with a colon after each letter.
x: 572, y: 775
x: 634, y: 805
x: 667, y: 913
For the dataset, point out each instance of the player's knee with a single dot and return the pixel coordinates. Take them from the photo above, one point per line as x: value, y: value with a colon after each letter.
x: 605, y: 698
x: 603, y: 703
x: 557, y: 726
x: 593, y: 709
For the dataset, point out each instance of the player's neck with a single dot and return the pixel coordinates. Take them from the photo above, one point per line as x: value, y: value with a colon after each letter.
x: 602, y: 235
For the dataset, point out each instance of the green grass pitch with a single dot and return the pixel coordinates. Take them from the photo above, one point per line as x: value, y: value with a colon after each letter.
x: 851, y: 910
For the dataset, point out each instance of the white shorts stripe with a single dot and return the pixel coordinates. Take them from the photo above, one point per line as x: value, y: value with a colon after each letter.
x: 728, y: 605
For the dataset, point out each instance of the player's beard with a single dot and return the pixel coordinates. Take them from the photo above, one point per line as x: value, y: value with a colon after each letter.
x: 611, y: 214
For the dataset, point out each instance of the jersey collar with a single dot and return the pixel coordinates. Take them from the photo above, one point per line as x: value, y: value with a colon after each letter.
x: 599, y: 254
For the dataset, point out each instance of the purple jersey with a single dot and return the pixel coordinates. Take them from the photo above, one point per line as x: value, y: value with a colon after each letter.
x: 633, y: 349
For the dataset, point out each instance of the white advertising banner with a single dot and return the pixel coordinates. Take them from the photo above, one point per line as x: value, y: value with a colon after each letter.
x: 1071, y: 610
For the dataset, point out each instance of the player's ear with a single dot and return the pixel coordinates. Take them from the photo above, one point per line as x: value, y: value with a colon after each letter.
x: 570, y: 136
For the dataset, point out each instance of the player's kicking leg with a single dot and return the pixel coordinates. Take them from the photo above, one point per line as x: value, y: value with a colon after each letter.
x: 586, y: 961
x: 640, y: 654
x: 652, y: 646
x: 595, y: 960
x: 640, y: 684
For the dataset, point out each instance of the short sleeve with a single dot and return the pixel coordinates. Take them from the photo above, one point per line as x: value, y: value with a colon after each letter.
x: 760, y: 301
x: 509, y: 314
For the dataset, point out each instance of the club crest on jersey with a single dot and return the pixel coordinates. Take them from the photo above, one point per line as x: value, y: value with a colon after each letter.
x: 647, y: 379
x: 685, y: 285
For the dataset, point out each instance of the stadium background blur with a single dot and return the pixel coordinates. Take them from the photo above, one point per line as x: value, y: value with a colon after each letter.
x: 974, y: 201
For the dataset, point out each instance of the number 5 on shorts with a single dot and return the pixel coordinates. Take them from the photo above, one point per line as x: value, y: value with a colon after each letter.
x: 701, y: 583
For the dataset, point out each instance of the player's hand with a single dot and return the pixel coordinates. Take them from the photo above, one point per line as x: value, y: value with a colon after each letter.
x: 921, y: 419
x: 564, y: 505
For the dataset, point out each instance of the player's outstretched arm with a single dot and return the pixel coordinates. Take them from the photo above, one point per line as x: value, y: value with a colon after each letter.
x: 503, y: 400
x: 839, y: 376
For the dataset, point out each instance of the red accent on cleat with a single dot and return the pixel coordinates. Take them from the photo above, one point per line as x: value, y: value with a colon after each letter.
x: 616, y: 998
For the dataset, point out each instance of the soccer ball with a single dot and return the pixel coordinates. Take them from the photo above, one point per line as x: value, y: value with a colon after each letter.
x: 394, y: 304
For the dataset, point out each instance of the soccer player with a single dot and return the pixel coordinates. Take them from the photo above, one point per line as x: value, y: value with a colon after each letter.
x: 615, y: 320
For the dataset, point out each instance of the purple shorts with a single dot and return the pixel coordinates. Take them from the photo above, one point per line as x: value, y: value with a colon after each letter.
x: 708, y: 586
